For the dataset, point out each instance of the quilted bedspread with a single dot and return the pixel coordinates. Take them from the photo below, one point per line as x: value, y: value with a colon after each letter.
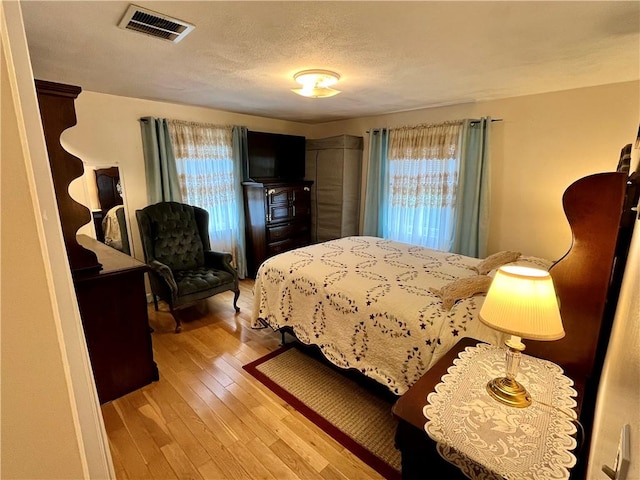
x: 366, y: 303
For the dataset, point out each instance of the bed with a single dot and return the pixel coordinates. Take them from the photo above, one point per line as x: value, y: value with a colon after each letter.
x: 372, y: 305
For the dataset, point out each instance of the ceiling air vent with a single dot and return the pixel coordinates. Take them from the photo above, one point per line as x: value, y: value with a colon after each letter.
x: 155, y: 24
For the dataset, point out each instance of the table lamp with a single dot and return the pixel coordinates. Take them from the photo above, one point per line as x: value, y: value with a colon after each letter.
x: 521, y: 302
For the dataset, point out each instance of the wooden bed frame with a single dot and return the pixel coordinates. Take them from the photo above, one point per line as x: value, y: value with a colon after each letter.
x: 593, y: 206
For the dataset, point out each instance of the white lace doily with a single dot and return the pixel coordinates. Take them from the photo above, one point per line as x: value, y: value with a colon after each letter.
x: 487, y: 439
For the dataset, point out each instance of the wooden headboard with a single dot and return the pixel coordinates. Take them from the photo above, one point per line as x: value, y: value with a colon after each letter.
x: 587, y: 281
x: 593, y: 206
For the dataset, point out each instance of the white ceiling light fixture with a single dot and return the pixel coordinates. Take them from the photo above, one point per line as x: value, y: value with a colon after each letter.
x: 316, y: 83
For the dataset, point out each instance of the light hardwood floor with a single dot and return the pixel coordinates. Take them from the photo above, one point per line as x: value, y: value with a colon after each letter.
x: 206, y: 418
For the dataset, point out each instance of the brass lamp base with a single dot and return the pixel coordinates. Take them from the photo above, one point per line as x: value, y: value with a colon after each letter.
x: 508, y: 391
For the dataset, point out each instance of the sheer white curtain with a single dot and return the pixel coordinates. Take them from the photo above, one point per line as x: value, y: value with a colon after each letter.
x: 423, y: 165
x: 204, y: 160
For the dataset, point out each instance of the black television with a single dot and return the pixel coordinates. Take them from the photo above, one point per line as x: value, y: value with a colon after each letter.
x: 274, y: 156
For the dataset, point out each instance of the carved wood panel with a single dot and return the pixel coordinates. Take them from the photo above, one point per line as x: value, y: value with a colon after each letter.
x: 57, y: 111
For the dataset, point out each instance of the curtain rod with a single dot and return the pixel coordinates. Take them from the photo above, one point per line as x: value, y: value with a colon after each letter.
x: 492, y: 120
x: 472, y: 122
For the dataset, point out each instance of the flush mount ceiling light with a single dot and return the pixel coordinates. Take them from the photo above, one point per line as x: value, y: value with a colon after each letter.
x: 316, y: 83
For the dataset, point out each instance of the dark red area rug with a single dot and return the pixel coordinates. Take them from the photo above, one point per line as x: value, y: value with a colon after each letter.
x: 351, y: 411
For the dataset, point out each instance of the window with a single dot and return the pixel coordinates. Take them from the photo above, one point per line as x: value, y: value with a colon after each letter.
x: 420, y: 185
x: 204, y: 160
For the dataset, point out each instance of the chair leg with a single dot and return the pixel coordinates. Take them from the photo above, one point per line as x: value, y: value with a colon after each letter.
x: 155, y: 301
x: 235, y: 300
x: 177, y: 320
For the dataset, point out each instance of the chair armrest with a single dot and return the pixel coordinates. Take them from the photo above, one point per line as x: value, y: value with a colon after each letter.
x: 221, y: 261
x: 164, y: 272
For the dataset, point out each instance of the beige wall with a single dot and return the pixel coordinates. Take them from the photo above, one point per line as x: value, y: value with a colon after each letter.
x: 544, y: 143
x: 38, y: 435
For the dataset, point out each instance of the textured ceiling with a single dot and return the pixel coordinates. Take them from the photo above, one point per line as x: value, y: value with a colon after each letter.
x: 392, y: 56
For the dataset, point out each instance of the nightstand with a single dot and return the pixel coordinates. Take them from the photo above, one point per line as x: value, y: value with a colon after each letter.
x: 419, y: 455
x: 480, y: 436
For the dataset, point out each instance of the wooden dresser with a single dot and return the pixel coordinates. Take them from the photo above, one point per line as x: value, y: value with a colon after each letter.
x: 278, y: 219
x: 113, y: 308
x: 109, y: 285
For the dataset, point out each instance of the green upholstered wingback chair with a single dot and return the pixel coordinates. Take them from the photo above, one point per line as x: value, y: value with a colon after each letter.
x: 183, y: 269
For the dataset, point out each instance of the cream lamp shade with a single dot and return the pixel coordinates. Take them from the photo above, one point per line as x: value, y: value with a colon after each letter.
x: 522, y: 302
